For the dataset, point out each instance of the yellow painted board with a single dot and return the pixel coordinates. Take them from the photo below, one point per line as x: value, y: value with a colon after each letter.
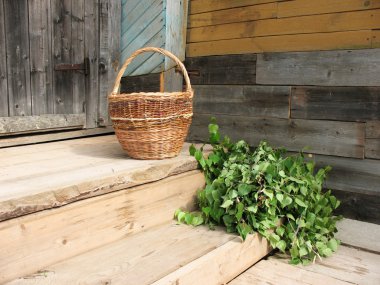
x: 375, y: 38
x: 310, y: 7
x: 301, y: 42
x: 350, y: 21
x: 201, y: 6
x: 256, y: 12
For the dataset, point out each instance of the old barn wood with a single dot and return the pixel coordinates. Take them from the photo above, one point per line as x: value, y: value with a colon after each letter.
x: 50, y: 61
x: 300, y: 74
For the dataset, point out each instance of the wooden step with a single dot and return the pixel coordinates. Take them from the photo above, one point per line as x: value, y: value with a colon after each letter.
x: 48, y: 175
x: 357, y: 261
x: 33, y: 242
x: 169, y: 254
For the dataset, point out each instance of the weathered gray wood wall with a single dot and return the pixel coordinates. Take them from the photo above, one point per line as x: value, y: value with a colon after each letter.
x: 38, y: 35
x: 328, y: 101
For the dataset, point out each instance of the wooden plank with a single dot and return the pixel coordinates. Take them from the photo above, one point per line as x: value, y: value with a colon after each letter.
x: 109, y: 54
x: 305, y: 7
x: 78, y: 55
x: 242, y: 100
x: 221, y: 265
x: 360, y: 235
x: 126, y: 261
x: 18, y: 66
x: 347, y: 264
x: 331, y: 138
x: 146, y: 83
x: 275, y: 272
x: 372, y: 140
x: 376, y: 39
x: 350, y: 21
x: 328, y: 68
x: 358, y: 206
x: 201, y: 6
x: 131, y: 31
x: 62, y: 80
x: 172, y: 81
x: 152, y: 30
x: 302, y: 42
x: 353, y: 175
x: 33, y: 242
x: 241, y: 14
x: 176, y: 25
x: 4, y: 112
x: 227, y: 69
x: 45, y: 176
x: 91, y: 47
x: 157, y: 40
x: 335, y: 103
x: 37, y: 123
x: 51, y: 137
x: 40, y: 57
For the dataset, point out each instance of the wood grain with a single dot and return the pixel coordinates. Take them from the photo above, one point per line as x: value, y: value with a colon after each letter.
x: 349, y: 21
x: 305, y: 7
x: 45, y: 176
x: 223, y: 69
x: 242, y: 100
x: 347, y: 264
x: 352, y: 175
x: 40, y: 123
x: 202, y: 6
x: 33, y: 242
x: 126, y: 261
x: 241, y: 14
x: 93, y: 80
x: 327, y: 68
x: 18, y: 66
x: 51, y: 137
x: 372, y: 141
x: 331, y: 138
x: 336, y: 103
x: 302, y: 42
x: 61, y: 12
x: 40, y: 57
x: 77, y: 56
x: 3, y: 66
x: 361, y: 235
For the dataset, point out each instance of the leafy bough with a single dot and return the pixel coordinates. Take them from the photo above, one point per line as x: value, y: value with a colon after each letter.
x: 265, y: 191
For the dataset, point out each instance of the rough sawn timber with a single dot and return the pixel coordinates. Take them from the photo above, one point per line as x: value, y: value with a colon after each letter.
x: 43, y: 176
x: 33, y: 242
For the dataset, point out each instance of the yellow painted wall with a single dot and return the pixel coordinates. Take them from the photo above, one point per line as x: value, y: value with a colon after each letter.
x: 219, y: 27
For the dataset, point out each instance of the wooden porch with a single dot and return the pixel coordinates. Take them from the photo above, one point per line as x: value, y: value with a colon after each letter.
x: 81, y: 212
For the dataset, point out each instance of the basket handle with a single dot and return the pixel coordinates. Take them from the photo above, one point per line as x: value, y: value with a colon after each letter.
x: 151, y: 49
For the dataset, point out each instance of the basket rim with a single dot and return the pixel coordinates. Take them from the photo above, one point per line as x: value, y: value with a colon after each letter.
x: 151, y: 95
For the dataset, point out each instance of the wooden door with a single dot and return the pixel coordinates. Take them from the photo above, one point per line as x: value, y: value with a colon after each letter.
x: 49, y: 63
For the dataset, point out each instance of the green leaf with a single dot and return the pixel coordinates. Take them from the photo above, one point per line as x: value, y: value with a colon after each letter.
x: 197, y: 220
x: 327, y: 252
x: 239, y: 213
x: 332, y: 244
x: 280, y: 231
x: 300, y: 203
x: 181, y: 217
x: 282, y: 173
x: 290, y: 216
x: 192, y: 150
x: 302, y: 251
x: 188, y: 218
x: 244, y: 189
x: 281, y: 245
x: 286, y: 201
x: 269, y: 193
x: 226, y: 203
x: 280, y: 197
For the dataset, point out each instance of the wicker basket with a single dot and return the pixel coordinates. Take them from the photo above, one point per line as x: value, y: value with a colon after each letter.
x: 151, y: 125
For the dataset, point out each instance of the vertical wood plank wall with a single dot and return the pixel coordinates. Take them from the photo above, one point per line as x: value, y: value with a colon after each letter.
x: 35, y: 36
x: 296, y: 73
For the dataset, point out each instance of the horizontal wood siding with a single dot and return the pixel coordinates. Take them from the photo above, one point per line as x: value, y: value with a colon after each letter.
x: 236, y: 27
x: 328, y: 68
x: 336, y: 103
x: 320, y: 137
x: 229, y: 69
x: 372, y: 142
x: 242, y: 100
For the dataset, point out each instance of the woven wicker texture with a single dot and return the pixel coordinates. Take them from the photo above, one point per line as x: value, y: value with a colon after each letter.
x: 151, y: 125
